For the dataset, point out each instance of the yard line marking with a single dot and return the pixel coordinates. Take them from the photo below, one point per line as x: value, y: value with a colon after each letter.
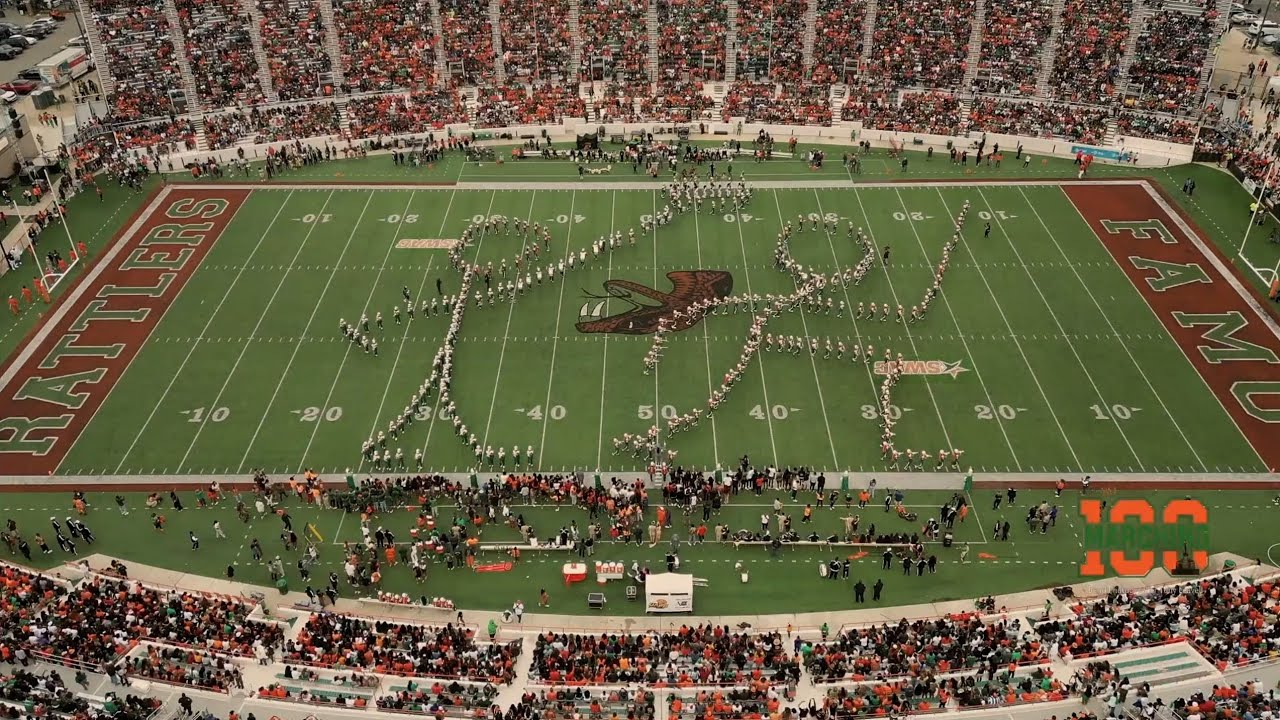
x: 911, y: 340
x: 764, y: 385
x: 657, y: 402
x: 511, y: 310
x: 254, y: 332
x: 813, y: 362
x: 390, y: 378
x: 444, y: 220
x: 347, y: 352
x: 174, y: 378
x: 604, y: 363
x: 315, y: 308
x: 844, y: 288
x: 999, y: 308
x: 706, y: 346
x: 956, y: 321
x: 555, y: 342
x: 1053, y: 238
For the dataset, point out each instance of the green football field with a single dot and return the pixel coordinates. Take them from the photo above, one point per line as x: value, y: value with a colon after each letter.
x: 1061, y: 364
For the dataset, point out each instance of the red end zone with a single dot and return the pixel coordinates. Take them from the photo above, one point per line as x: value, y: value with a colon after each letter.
x: 52, y: 386
x: 1229, y: 338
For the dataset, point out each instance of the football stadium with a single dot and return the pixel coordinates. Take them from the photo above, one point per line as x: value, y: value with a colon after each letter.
x: 657, y: 360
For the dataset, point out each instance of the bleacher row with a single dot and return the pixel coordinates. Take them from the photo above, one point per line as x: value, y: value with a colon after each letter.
x: 205, y: 641
x: 654, y: 58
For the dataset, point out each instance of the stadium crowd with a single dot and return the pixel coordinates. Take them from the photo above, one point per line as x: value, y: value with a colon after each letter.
x: 691, y: 39
x: 219, y: 51
x: 921, y: 43
x: 450, y: 652
x: 616, y: 35
x: 764, y: 102
x: 1070, y: 122
x: 1156, y: 127
x: 517, y: 105
x: 536, y: 41
x: 386, y: 44
x: 140, y: 56
x: 1013, y: 38
x: 771, y: 39
x: 1090, y: 47
x: 839, y: 32
x: 292, y: 33
x: 276, y: 124
x: 417, y: 112
x: 467, y: 34
x: 1169, y: 58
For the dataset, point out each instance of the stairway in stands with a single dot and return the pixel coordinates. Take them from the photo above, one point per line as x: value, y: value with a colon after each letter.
x: 202, y: 138
x: 869, y: 29
x: 575, y: 32
x: 810, y: 34
x: 331, y: 46
x: 344, y: 118
x: 1206, y: 72
x: 839, y: 93
x: 975, y: 44
x: 259, y: 52
x: 1137, y: 24
x: 100, y: 57
x: 178, y: 38
x: 437, y: 27
x: 731, y: 44
x: 1050, y: 51
x: 495, y: 24
x: 651, y: 26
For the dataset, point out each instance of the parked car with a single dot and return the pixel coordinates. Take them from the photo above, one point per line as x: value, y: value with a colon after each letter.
x: 37, y: 31
x: 31, y: 74
x: 21, y: 41
x: 10, y: 96
x: 8, y: 52
x: 1262, y: 27
x: 57, y: 15
x: 20, y: 86
x: 1244, y: 18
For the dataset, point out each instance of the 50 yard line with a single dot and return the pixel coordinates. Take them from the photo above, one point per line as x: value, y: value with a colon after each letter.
x: 208, y: 323
x: 555, y: 338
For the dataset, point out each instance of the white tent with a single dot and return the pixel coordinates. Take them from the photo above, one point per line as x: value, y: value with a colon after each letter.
x: 668, y: 593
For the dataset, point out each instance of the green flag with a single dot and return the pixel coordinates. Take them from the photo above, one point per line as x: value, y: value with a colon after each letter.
x: 968, y: 482
x: 844, y: 483
x: 599, y: 484
x: 475, y: 481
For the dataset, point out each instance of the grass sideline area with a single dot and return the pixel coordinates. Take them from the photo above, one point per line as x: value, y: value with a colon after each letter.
x: 1239, y: 521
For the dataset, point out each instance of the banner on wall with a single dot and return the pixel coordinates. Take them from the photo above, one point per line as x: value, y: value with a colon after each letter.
x: 1100, y: 153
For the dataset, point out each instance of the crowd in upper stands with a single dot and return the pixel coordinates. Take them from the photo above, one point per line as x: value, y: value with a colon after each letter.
x: 467, y: 34
x: 921, y: 43
x: 536, y: 41
x: 1090, y: 48
x: 1169, y: 58
x: 139, y: 55
x: 386, y: 45
x: 219, y: 48
x: 1014, y: 34
x: 292, y: 33
x: 770, y: 38
x: 839, y: 32
x: 615, y: 35
x: 691, y: 39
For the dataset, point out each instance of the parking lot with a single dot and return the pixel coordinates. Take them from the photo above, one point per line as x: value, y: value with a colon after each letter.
x: 42, y: 50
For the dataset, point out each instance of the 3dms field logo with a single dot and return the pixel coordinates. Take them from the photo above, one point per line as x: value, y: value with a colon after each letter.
x: 922, y: 367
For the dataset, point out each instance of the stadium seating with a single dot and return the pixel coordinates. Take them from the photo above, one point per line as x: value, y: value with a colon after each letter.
x: 1169, y: 58
x: 536, y: 40
x: 921, y: 43
x: 1091, y: 46
x: 140, y: 56
x: 449, y: 652
x: 770, y: 39
x: 467, y: 35
x: 615, y: 34
x: 270, y: 125
x: 691, y: 39
x: 292, y: 33
x: 418, y: 112
x: 838, y: 30
x: 386, y: 44
x: 1075, y: 123
x: 708, y: 655
x: 220, y: 51
x: 1155, y: 127
x: 1014, y: 33
x: 514, y: 105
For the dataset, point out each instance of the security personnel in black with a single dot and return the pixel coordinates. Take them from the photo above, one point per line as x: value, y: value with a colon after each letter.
x: 875, y: 590
x: 860, y: 591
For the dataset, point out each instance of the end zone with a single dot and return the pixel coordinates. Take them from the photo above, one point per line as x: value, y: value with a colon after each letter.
x: 54, y: 384
x: 1228, y: 337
